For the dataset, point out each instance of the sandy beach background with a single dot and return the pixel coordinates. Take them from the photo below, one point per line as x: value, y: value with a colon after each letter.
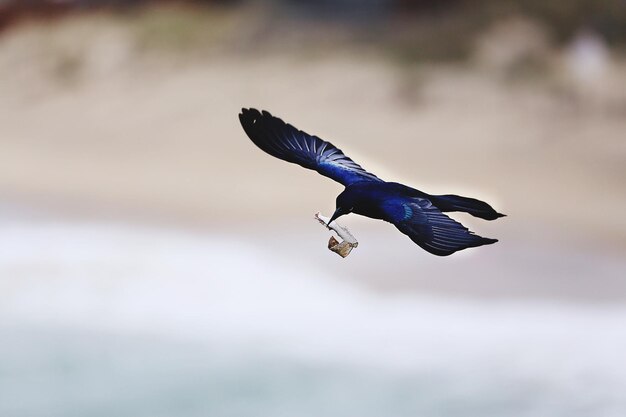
x: 146, y: 240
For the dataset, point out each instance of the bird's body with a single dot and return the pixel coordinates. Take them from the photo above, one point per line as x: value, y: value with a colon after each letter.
x: 415, y: 213
x: 378, y: 200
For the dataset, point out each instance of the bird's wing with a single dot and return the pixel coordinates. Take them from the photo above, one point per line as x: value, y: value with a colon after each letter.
x: 284, y: 141
x: 432, y: 230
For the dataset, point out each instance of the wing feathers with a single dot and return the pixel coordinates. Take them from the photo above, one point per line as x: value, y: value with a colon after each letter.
x: 285, y: 142
x: 434, y: 231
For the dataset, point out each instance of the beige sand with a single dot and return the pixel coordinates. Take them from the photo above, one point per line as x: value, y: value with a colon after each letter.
x: 107, y: 132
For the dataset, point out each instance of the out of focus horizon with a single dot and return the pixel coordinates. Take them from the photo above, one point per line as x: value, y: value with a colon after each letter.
x: 138, y: 217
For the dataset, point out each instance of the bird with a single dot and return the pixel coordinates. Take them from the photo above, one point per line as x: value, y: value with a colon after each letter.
x: 417, y: 214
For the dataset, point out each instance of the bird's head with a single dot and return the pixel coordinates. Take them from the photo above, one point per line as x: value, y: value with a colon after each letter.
x: 343, y: 205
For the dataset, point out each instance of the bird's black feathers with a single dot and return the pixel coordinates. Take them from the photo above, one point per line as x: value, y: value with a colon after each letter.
x: 415, y: 213
x: 435, y: 232
x: 477, y: 208
x: 285, y: 142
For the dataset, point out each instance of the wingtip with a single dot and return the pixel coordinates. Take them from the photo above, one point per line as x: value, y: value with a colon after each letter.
x: 252, y: 112
x: 248, y: 115
x: 488, y: 241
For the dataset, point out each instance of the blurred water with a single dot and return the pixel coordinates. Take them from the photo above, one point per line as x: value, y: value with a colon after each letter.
x: 105, y: 319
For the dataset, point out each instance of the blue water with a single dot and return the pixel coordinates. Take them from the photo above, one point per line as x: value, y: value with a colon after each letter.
x: 66, y: 373
x: 114, y: 320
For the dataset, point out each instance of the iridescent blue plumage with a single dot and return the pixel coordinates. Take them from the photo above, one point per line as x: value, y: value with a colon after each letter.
x: 284, y: 141
x: 415, y: 213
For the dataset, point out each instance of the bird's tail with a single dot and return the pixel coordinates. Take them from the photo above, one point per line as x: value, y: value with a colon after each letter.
x: 477, y: 208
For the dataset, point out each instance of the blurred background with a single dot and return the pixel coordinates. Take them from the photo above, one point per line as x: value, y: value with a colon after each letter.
x: 154, y: 262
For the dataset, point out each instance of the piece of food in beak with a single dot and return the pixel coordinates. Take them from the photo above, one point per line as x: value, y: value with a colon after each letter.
x: 348, y: 242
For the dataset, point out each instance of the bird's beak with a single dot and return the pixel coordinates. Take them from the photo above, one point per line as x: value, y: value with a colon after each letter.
x: 335, y: 215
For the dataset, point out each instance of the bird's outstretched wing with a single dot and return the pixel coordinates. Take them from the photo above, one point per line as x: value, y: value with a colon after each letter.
x: 432, y: 230
x: 284, y: 141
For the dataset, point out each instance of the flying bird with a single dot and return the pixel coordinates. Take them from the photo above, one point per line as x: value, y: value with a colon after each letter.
x: 418, y: 215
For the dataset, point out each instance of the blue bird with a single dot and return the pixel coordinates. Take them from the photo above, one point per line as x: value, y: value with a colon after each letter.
x: 415, y: 213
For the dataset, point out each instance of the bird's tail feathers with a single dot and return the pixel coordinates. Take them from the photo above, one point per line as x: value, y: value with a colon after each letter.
x: 477, y: 208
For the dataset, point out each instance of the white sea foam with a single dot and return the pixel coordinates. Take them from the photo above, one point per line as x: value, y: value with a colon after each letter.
x: 233, y: 296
